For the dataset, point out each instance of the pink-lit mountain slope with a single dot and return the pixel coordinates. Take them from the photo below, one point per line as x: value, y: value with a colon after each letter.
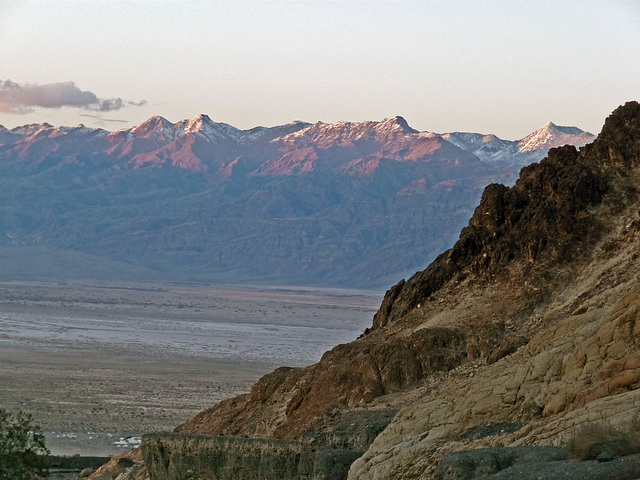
x: 353, y: 203
x: 531, y: 148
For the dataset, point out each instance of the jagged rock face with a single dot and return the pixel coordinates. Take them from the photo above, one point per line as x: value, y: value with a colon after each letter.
x: 581, y: 364
x: 620, y: 145
x: 544, y: 220
x: 577, y: 369
x: 174, y: 456
x: 229, y: 458
x: 291, y: 401
x: 478, y: 302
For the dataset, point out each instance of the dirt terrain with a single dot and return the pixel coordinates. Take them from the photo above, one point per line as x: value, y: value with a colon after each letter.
x: 94, y: 363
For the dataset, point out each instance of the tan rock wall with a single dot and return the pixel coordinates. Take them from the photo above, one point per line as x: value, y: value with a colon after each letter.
x: 583, y: 368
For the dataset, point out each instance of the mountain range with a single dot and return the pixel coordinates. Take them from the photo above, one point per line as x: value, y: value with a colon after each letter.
x: 347, y: 203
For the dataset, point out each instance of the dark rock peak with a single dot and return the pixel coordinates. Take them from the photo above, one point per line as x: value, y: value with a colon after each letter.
x: 616, y: 141
x: 546, y: 220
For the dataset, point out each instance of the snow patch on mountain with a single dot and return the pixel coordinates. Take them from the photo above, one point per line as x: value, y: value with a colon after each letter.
x: 488, y: 148
x: 532, y: 148
x: 346, y: 134
x: 551, y: 136
x: 163, y: 142
x: 270, y: 133
x: 202, y: 126
x: 31, y: 129
x: 156, y: 127
x: 77, y: 131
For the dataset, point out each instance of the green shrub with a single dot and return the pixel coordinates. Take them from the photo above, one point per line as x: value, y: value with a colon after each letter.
x: 21, y: 448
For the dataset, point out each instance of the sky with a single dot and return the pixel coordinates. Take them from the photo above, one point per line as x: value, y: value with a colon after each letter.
x: 502, y: 67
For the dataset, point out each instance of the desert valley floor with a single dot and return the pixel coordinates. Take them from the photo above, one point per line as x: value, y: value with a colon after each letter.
x: 96, y: 362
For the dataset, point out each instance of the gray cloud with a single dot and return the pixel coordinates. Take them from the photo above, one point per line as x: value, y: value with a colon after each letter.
x: 21, y: 98
x: 137, y: 104
x: 103, y: 121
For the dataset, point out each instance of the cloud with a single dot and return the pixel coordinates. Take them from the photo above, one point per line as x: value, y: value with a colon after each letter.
x: 137, y: 104
x: 104, y: 121
x: 21, y: 98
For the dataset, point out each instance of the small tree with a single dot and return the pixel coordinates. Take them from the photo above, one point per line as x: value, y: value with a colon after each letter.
x: 21, y: 447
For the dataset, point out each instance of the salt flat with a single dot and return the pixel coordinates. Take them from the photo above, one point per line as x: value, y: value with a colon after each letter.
x: 89, y: 361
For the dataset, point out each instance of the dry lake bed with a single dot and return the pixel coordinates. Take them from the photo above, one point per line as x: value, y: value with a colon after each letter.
x: 98, y: 365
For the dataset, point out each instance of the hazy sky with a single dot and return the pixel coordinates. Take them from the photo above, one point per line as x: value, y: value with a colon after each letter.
x: 503, y: 67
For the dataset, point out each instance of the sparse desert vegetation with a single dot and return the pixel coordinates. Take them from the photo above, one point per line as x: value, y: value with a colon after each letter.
x: 602, y: 441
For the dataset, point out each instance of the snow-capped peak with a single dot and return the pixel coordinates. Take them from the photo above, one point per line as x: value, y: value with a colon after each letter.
x: 470, y: 141
x: 30, y: 129
x: 568, y: 130
x: 271, y: 133
x: 324, y: 135
x: 395, y: 124
x: 79, y: 129
x: 202, y: 126
x: 156, y: 127
x: 197, y: 124
x: 487, y: 147
x: 156, y: 123
x: 552, y: 135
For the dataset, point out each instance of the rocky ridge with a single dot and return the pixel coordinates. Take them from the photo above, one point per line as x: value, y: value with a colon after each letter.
x: 157, y: 140
x: 522, y: 332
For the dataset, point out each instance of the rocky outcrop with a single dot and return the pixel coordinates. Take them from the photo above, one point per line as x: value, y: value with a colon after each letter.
x: 542, y: 222
x: 173, y: 456
x: 292, y: 401
x: 578, y: 369
x: 532, y: 463
x: 526, y: 330
x: 126, y: 466
x: 470, y: 464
